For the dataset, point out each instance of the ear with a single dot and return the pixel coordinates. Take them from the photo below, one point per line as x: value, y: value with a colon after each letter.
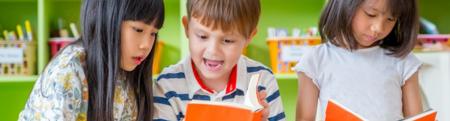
x: 250, y: 38
x: 185, y: 22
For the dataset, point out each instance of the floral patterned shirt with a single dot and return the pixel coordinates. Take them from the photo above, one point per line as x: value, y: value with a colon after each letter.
x: 61, y: 92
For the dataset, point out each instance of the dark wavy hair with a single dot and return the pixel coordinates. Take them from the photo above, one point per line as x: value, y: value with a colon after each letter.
x: 101, y: 29
x: 335, y: 25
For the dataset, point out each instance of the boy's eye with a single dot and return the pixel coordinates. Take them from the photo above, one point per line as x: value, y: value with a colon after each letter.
x: 138, y: 30
x: 203, y: 37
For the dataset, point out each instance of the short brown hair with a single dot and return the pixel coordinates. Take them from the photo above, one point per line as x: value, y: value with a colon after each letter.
x: 335, y: 25
x: 242, y: 15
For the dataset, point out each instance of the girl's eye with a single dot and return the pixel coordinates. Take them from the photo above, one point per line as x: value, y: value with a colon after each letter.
x: 138, y: 30
x: 371, y: 15
x: 392, y: 19
x: 153, y: 34
x: 228, y: 41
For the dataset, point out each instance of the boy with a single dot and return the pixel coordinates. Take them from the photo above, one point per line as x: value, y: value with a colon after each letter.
x: 218, y: 31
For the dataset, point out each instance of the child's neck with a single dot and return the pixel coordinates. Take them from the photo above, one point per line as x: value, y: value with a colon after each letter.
x: 217, y: 84
x: 221, y: 83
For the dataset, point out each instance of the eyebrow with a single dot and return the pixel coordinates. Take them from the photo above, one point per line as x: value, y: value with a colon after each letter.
x: 199, y: 29
x: 374, y: 9
x: 382, y: 12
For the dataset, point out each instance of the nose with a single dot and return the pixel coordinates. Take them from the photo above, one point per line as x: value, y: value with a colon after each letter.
x: 376, y: 27
x: 212, y: 48
x: 146, y: 43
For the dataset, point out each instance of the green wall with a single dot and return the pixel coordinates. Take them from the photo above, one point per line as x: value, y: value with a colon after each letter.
x: 438, y: 12
x: 286, y: 14
x: 9, y: 15
x: 277, y: 13
x: 13, y: 97
x: 170, y: 33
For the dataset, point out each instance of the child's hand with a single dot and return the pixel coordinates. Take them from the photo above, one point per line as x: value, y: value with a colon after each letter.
x: 262, y: 100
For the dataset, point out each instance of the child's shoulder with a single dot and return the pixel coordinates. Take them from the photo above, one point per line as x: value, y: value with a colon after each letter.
x: 65, y: 70
x: 173, y: 72
x: 72, y: 52
x: 321, y: 48
x: 318, y: 52
x: 254, y: 66
x: 72, y: 56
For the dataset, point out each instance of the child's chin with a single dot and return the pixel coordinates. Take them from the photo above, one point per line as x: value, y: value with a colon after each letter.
x: 129, y: 68
x: 213, y: 75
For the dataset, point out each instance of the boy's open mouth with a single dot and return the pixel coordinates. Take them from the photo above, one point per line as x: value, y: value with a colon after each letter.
x: 213, y: 65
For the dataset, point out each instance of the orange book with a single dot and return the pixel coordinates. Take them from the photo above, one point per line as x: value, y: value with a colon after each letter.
x: 226, y: 111
x: 429, y: 115
x: 337, y: 112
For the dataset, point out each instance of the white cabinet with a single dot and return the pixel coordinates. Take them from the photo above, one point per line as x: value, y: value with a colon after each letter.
x: 434, y: 78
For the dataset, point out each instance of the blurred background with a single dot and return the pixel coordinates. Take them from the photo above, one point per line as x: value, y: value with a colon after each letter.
x: 32, y: 31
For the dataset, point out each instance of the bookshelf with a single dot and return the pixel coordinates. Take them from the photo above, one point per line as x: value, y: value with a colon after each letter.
x: 14, y: 90
x: 42, y: 14
x: 21, y: 10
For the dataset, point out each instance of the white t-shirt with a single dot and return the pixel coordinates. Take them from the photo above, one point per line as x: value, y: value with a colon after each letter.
x: 367, y: 81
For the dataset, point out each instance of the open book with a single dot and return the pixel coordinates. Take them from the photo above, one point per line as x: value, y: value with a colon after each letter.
x: 337, y: 112
x: 226, y: 111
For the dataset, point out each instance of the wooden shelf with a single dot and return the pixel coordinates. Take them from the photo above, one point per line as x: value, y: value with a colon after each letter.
x: 18, y: 78
x: 15, y: 1
x: 66, y: 1
x: 286, y: 76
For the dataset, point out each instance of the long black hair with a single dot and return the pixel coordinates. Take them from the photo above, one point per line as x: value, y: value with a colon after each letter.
x: 101, y: 24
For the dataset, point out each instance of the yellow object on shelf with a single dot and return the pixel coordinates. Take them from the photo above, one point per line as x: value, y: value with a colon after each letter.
x: 20, y: 32
x: 284, y: 52
x: 157, y: 57
x: 28, y: 30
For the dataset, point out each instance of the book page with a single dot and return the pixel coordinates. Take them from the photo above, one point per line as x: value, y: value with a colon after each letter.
x: 251, y: 98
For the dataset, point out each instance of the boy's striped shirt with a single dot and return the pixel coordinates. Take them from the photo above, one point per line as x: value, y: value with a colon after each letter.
x: 177, y: 85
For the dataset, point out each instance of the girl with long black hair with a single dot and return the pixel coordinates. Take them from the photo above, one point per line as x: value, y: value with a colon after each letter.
x: 106, y: 75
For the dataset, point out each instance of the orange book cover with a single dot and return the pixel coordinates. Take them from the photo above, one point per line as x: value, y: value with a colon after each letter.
x: 208, y: 111
x: 429, y: 115
x: 337, y: 112
x: 227, y: 111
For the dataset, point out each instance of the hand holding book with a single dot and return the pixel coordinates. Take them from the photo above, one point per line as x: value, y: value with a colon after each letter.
x: 262, y: 100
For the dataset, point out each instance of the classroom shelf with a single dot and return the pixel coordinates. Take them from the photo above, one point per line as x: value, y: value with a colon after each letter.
x: 16, y: 12
x: 15, y: 1
x: 286, y: 76
x: 42, y: 15
x: 4, y: 79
